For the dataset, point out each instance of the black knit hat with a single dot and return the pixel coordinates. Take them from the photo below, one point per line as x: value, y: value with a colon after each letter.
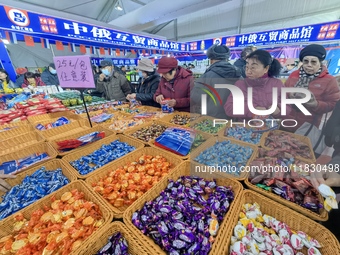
x: 315, y: 50
x: 218, y: 52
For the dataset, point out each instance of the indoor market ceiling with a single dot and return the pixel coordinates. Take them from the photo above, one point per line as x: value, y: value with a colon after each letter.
x: 186, y: 20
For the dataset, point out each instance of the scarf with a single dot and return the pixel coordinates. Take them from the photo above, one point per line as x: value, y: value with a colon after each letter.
x: 305, y: 79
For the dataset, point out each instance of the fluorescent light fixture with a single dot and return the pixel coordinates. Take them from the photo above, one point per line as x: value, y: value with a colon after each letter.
x: 5, y: 41
x: 168, y: 55
x: 118, y: 7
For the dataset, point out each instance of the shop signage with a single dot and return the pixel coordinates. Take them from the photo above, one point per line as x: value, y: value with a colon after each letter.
x: 303, y: 34
x: 14, y: 19
x: 116, y: 61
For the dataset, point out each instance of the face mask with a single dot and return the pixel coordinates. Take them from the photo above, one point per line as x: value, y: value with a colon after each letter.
x: 53, y: 71
x: 106, y: 72
x: 140, y: 74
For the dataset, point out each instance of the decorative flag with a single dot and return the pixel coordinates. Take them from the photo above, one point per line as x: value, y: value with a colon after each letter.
x: 59, y: 45
x: 91, y: 50
x: 101, y: 51
x: 42, y: 43
x: 117, y: 52
x: 14, y: 36
x: 154, y: 51
x: 82, y: 49
x: 29, y: 40
x: 133, y: 51
x: 8, y: 37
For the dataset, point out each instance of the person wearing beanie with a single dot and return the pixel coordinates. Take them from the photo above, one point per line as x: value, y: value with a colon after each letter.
x: 261, y: 72
x: 111, y: 83
x: 220, y: 71
x: 313, y: 76
x: 175, y: 84
x: 148, y: 83
x: 49, y: 75
x: 241, y: 62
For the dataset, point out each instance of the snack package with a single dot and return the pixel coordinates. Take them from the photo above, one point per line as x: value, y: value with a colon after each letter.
x: 71, y: 144
x: 101, y: 117
x: 134, y: 103
x: 165, y: 107
x: 14, y: 166
x: 176, y: 140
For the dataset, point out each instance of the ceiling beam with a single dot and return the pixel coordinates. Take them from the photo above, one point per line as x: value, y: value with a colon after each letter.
x: 138, y: 2
x: 160, y: 27
x: 106, y: 9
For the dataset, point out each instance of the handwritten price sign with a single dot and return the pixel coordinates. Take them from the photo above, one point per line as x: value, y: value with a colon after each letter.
x: 74, y: 71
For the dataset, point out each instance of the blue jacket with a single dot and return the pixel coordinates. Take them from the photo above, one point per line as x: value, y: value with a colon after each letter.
x: 49, y: 79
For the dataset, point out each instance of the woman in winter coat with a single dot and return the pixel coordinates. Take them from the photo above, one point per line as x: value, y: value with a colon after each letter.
x: 313, y: 76
x: 148, y: 83
x: 175, y: 84
x: 5, y: 82
x: 261, y: 70
x: 31, y: 79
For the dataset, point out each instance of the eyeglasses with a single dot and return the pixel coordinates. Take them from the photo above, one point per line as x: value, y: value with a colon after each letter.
x: 252, y: 68
x: 312, y: 62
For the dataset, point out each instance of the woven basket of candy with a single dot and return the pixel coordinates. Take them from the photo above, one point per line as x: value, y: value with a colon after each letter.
x: 116, y: 238
x: 298, y: 145
x: 15, y: 131
x: 260, y: 224
x: 49, y: 116
x: 20, y: 141
x: 206, y: 125
x: 87, y: 161
x: 285, y: 180
x: 180, y: 118
x: 244, y: 133
x: 124, y: 124
x: 103, y: 117
x: 123, y: 182
x: 99, y: 132
x: 148, y: 132
x: 196, y: 208
x: 34, y: 184
x: 62, y: 222
x: 72, y: 128
x: 23, y: 159
x: 224, y: 157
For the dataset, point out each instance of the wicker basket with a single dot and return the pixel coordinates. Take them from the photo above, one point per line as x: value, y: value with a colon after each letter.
x: 301, y: 138
x: 246, y: 126
x: 185, y: 169
x: 145, y: 125
x: 108, y: 125
x: 15, y: 124
x: 118, y: 212
x: 69, y: 129
x: 21, y: 141
x: 294, y: 220
x: 91, y: 148
x: 169, y: 118
x: 77, y: 135
x: 211, y: 142
x: 6, y: 225
x: 16, y: 131
x: 135, y: 246
x: 200, y: 119
x: 50, y: 165
x: 323, y: 216
x: 49, y: 116
x: 22, y: 153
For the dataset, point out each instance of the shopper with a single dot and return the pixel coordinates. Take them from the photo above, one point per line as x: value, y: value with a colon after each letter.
x: 20, y: 71
x: 261, y: 69
x: 148, y: 83
x: 32, y: 80
x: 113, y: 84
x: 219, y: 72
x: 175, y: 84
x: 4, y: 186
x: 5, y: 82
x: 313, y: 76
x: 241, y: 62
x: 49, y: 75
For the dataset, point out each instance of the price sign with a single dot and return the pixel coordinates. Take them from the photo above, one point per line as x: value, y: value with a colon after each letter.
x: 74, y: 71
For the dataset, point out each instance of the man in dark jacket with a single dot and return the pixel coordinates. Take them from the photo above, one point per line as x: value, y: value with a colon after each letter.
x: 241, y: 62
x: 113, y: 84
x: 148, y: 83
x: 219, y: 72
x: 49, y: 76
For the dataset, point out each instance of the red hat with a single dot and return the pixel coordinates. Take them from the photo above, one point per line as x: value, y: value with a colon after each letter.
x: 165, y: 64
x: 21, y: 70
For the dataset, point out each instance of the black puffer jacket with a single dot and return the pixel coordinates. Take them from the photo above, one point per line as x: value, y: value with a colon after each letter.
x: 221, y: 72
x: 240, y: 64
x: 147, y: 89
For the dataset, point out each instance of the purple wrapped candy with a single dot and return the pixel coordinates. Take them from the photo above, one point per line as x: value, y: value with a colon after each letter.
x: 117, y: 245
x: 178, y: 244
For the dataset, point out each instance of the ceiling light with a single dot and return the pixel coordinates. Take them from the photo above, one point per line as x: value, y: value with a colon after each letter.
x: 5, y: 41
x: 118, y: 7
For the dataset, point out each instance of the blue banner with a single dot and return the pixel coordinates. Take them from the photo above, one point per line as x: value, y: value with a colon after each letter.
x: 325, y: 32
x: 116, y: 61
x: 34, y: 24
